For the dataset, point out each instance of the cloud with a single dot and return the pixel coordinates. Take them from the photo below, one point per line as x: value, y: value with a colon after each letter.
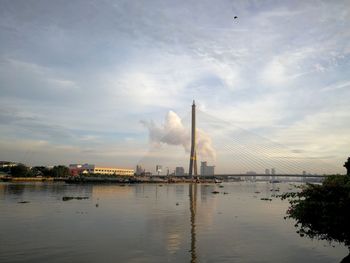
x: 204, y: 145
x: 284, y: 68
x: 337, y: 86
x: 86, y: 73
x: 173, y: 132
x: 30, y: 81
x: 275, y: 72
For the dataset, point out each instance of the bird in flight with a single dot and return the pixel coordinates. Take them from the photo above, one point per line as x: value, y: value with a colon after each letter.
x: 235, y: 17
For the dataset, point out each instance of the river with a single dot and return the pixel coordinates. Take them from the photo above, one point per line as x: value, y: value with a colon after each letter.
x: 153, y: 223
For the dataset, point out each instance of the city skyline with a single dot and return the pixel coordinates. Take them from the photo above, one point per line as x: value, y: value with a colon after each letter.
x: 78, y: 81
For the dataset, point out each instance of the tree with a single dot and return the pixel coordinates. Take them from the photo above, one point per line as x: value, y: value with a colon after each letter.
x: 60, y: 171
x: 323, y: 211
x: 41, y: 171
x: 20, y: 170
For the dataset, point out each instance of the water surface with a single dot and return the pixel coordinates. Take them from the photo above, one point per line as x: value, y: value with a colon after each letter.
x: 152, y: 223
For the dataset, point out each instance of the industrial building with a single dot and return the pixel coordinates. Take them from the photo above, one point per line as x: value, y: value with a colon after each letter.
x: 77, y: 169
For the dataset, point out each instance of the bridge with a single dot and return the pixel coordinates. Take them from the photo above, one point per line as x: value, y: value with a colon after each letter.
x: 270, y: 175
x: 238, y: 151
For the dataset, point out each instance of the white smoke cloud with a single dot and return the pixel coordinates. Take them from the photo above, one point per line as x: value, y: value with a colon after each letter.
x: 204, y: 145
x: 173, y: 132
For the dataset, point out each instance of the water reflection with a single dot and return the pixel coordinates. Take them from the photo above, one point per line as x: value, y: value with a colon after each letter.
x: 151, y: 223
x: 14, y: 189
x: 193, y: 208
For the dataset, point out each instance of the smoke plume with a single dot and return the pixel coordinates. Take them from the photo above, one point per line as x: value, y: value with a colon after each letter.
x: 173, y: 132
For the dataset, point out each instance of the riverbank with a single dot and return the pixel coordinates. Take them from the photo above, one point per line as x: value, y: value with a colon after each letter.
x: 111, y: 180
x: 138, y: 180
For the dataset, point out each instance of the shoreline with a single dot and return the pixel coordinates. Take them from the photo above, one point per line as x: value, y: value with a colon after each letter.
x: 112, y: 180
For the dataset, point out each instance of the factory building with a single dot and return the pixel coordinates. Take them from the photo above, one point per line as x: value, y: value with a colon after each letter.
x: 77, y: 169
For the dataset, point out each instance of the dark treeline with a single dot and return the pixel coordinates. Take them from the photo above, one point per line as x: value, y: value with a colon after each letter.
x: 22, y: 170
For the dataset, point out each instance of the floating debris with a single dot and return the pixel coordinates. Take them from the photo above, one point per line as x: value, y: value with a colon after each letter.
x: 67, y: 198
x: 215, y: 192
x: 266, y: 199
x: 225, y: 193
x: 257, y: 192
x: 221, y: 186
x: 177, y: 203
x: 96, y: 205
x: 23, y: 202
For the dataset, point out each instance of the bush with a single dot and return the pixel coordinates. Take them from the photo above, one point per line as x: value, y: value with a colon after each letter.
x: 323, y: 211
x: 60, y: 171
x: 20, y: 170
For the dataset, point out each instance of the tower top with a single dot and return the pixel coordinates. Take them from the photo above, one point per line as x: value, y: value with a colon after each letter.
x: 194, y: 104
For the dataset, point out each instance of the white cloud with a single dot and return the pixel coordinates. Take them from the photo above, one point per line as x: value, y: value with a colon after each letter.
x: 62, y: 83
x: 320, y: 135
x: 94, y: 80
x: 337, y: 86
x: 173, y: 132
x: 275, y: 72
x: 284, y: 68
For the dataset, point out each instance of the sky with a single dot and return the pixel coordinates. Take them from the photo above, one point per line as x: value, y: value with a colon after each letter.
x: 81, y: 81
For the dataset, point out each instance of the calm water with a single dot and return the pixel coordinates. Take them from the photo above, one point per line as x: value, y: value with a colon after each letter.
x: 152, y: 223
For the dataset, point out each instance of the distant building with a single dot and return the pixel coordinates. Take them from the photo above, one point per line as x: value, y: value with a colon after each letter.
x: 4, y: 164
x: 77, y: 169
x: 273, y: 173
x: 158, y: 169
x: 304, y: 172
x: 113, y: 171
x: 139, y: 170
x: 206, y: 169
x: 179, y: 171
x: 75, y: 165
x: 267, y: 171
